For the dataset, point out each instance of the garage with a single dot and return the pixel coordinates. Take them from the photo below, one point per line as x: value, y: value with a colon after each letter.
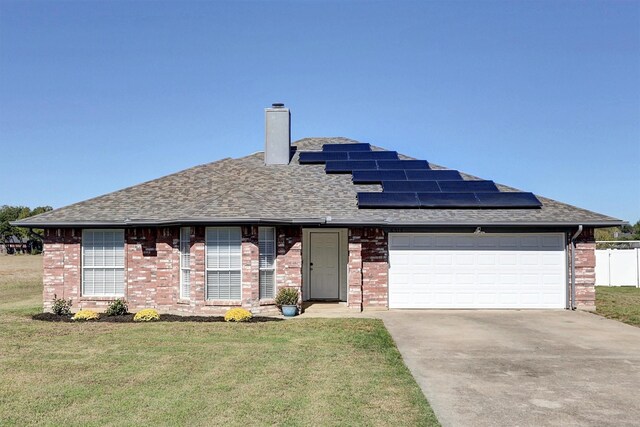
x: 477, y: 270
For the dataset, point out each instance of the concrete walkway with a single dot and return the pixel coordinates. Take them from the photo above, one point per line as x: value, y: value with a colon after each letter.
x: 522, y: 368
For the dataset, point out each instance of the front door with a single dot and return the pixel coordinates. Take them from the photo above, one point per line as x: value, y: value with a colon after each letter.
x: 323, y: 266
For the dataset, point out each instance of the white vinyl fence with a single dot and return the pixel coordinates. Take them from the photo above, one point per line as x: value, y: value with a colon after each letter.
x: 618, y: 267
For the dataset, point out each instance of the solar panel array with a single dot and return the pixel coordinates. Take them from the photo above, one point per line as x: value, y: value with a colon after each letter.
x: 411, y: 183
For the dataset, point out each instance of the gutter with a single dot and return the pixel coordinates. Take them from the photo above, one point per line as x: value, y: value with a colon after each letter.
x: 309, y: 221
x: 180, y: 221
x: 573, y: 267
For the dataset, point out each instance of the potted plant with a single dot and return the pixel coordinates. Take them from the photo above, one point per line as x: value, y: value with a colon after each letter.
x: 287, y: 300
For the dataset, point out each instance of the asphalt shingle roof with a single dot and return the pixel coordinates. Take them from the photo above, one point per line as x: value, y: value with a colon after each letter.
x: 247, y: 190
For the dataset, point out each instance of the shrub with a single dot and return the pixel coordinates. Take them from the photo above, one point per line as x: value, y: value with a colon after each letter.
x: 287, y: 296
x: 85, y: 315
x: 61, y: 306
x: 118, y: 307
x: 237, y: 315
x: 146, y: 315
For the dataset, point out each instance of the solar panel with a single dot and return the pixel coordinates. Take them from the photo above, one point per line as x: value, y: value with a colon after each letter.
x: 437, y: 175
x: 314, y: 157
x: 388, y: 200
x: 347, y: 147
x: 344, y: 166
x: 411, y: 183
x: 467, y: 186
x: 373, y: 155
x: 508, y: 200
x: 402, y: 164
x: 377, y: 176
x: 448, y: 200
x: 408, y: 186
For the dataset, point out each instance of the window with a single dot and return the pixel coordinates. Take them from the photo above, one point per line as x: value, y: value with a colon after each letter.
x: 267, y: 246
x: 103, y: 262
x: 185, y: 262
x: 224, y: 261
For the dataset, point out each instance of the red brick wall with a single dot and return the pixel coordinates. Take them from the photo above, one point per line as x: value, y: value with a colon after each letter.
x: 289, y: 258
x: 354, y: 271
x: 61, y: 265
x: 152, y: 271
x: 368, y: 278
x: 152, y: 268
x: 585, y: 270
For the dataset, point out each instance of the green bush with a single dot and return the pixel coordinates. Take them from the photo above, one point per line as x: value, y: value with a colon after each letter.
x: 287, y: 296
x: 118, y: 307
x: 61, y: 306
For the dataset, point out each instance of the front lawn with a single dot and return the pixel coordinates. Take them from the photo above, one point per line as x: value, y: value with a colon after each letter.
x: 620, y: 303
x: 294, y: 372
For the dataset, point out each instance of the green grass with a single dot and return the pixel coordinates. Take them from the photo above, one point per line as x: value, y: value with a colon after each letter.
x: 620, y: 303
x: 20, y: 284
x: 295, y: 372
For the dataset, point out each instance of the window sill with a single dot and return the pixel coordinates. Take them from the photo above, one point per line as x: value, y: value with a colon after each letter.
x: 268, y: 301
x: 225, y: 302
x: 100, y: 298
x: 183, y: 301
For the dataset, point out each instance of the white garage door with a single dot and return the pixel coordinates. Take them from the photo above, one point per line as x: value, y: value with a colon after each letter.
x: 477, y: 270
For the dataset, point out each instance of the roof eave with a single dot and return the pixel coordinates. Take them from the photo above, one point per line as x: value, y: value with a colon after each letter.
x: 168, y: 222
x: 313, y: 221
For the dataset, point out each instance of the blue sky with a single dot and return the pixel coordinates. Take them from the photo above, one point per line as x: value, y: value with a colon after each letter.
x: 542, y: 96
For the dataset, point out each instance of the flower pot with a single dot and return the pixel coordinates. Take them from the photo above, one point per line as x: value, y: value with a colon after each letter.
x: 289, y: 310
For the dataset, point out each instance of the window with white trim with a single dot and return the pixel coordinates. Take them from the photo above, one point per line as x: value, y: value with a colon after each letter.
x: 267, y: 260
x: 224, y: 263
x: 103, y: 263
x: 185, y: 262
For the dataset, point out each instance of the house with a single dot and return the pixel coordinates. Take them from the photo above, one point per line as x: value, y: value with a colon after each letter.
x: 337, y: 219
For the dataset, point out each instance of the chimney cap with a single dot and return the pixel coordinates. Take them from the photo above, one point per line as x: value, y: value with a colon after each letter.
x: 277, y: 105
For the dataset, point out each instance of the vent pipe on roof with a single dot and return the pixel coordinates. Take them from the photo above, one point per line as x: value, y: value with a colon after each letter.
x: 277, y: 144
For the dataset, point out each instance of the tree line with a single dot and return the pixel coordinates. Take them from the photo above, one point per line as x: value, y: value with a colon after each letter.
x: 32, y: 240
x: 626, y: 232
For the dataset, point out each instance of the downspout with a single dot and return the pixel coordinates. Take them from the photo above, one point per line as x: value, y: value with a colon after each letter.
x: 573, y: 267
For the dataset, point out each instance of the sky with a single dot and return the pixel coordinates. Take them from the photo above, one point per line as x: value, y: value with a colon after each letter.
x: 543, y: 96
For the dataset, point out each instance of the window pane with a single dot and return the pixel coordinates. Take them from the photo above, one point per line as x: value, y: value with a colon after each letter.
x: 267, y: 284
x: 185, y: 262
x: 223, y: 285
x: 103, y: 262
x: 267, y: 259
x: 224, y: 260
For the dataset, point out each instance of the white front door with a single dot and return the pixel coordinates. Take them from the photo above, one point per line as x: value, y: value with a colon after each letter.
x: 323, y: 266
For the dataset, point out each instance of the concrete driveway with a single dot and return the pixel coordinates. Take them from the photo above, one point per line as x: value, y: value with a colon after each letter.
x: 522, y: 368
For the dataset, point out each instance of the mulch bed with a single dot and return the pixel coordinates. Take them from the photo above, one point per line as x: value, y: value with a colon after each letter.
x: 128, y: 318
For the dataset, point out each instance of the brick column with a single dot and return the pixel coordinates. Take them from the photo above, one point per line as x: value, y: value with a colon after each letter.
x: 289, y: 259
x: 168, y: 267
x: 375, y: 269
x: 250, y: 268
x: 354, y: 272
x: 197, y: 255
x: 585, y: 259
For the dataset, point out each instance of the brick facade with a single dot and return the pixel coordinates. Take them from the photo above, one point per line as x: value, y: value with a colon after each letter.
x: 585, y: 270
x: 152, y: 270
x: 368, y: 278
